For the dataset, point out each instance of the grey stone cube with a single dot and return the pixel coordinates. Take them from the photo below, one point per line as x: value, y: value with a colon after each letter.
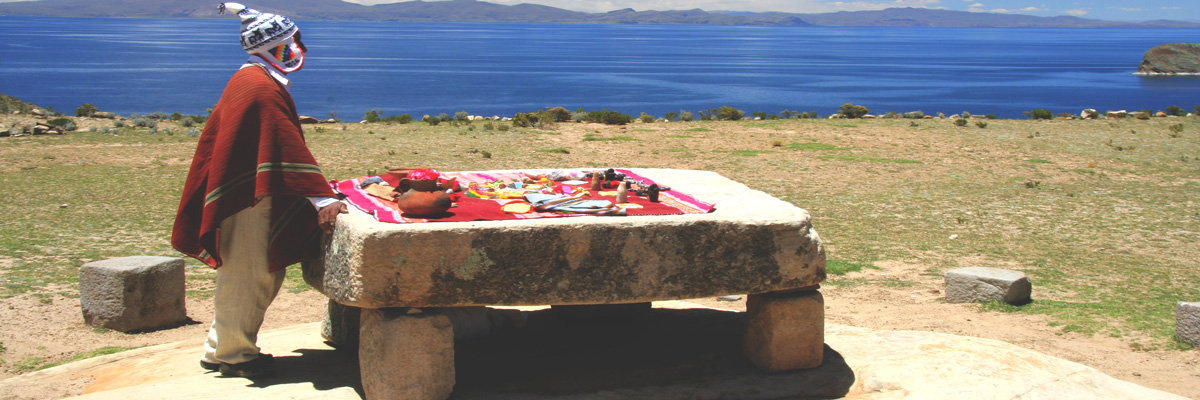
x: 1187, y: 323
x: 133, y: 293
x: 982, y: 284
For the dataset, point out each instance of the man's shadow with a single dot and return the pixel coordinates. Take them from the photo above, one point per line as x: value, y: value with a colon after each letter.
x: 651, y: 354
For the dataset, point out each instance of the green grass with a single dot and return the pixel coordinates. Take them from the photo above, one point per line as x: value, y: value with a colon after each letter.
x: 746, y: 153
x: 838, y: 267
x: 83, y: 356
x: 557, y: 150
x: 1107, y: 237
x: 27, y: 364
x: 597, y: 138
x: 813, y: 146
x: 857, y: 158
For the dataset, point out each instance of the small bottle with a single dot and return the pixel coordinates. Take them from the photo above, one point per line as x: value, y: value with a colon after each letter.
x: 623, y: 192
x: 596, y: 180
x: 653, y: 193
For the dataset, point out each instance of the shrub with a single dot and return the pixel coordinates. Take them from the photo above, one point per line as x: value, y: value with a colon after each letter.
x: 608, y: 117
x: 981, y: 124
x: 432, y: 121
x: 686, y: 116
x: 556, y: 114
x: 1041, y: 113
x: 65, y: 123
x: 86, y: 110
x: 728, y: 113
x: 372, y: 115
x: 759, y: 114
x: 1175, y: 130
x: 1176, y: 111
x: 578, y: 116
x: 990, y: 116
x: 852, y: 110
x: 891, y: 114
x: 461, y: 116
x: 144, y: 122
x: 915, y: 114
x: 176, y: 116
x: 671, y: 116
x: 400, y: 119
x: 646, y: 118
x: 524, y: 120
x: 960, y: 122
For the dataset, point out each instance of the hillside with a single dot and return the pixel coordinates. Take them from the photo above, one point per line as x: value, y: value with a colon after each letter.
x: 479, y: 11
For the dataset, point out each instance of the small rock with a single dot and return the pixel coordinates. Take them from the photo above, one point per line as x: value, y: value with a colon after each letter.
x: 304, y: 119
x: 729, y: 298
x: 981, y: 284
x: 64, y: 205
x: 954, y: 236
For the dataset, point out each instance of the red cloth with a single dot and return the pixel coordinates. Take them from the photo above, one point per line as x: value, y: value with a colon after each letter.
x: 252, y: 147
x: 671, y: 202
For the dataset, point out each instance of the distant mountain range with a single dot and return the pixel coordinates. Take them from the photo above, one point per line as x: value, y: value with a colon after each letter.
x: 479, y: 11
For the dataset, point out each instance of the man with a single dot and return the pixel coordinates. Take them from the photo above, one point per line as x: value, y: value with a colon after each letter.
x: 255, y: 200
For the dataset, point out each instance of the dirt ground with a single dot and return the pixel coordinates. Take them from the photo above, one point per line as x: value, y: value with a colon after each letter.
x: 34, y: 326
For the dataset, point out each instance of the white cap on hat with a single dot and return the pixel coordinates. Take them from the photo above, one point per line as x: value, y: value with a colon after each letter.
x: 269, y: 36
x: 260, y: 30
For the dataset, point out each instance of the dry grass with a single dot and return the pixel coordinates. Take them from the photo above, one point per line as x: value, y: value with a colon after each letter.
x: 1101, y: 214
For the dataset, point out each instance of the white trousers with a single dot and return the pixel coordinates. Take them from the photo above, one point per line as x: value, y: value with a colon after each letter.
x: 244, y: 286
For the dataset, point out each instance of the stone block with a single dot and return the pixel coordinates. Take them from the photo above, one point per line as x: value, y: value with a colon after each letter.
x: 982, y: 284
x: 341, y: 324
x: 133, y: 293
x: 785, y: 331
x: 1187, y: 323
x: 405, y: 354
x: 751, y: 243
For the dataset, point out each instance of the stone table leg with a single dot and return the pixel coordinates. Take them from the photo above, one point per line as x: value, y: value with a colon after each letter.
x: 405, y: 355
x: 785, y: 331
x: 340, y: 328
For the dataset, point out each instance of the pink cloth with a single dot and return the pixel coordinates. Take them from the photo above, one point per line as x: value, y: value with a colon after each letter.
x: 671, y: 202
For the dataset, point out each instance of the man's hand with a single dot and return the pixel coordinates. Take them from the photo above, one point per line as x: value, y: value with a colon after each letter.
x: 327, y: 215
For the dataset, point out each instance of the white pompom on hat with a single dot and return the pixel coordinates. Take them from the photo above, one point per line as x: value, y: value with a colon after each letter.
x: 260, y: 30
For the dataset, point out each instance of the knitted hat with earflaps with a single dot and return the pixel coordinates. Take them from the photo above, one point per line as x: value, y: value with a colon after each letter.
x: 269, y: 36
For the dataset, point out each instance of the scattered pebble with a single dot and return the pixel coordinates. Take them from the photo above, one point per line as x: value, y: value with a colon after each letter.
x: 954, y: 236
x: 729, y: 298
x: 64, y: 205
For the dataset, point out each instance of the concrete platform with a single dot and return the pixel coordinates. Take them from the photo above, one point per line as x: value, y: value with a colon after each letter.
x: 682, y: 351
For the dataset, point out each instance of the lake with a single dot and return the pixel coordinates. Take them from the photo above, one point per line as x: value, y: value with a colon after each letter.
x: 181, y: 65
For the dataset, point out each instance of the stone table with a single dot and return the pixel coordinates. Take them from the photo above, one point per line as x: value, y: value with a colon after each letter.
x: 404, y: 277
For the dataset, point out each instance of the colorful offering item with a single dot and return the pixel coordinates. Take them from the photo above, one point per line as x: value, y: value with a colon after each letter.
x: 508, y: 195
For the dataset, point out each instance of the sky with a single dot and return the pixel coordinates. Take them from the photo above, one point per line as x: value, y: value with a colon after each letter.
x: 1109, y: 10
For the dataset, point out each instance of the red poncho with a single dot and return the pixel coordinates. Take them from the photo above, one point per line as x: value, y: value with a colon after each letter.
x: 252, y: 147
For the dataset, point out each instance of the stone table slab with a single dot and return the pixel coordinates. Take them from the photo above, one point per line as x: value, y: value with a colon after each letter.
x: 751, y: 243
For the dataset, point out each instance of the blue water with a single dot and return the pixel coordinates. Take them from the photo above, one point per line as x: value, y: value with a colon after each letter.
x: 180, y: 65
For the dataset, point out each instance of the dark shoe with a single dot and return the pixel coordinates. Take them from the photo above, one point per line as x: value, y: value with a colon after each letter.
x: 256, y: 368
x: 214, y: 367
